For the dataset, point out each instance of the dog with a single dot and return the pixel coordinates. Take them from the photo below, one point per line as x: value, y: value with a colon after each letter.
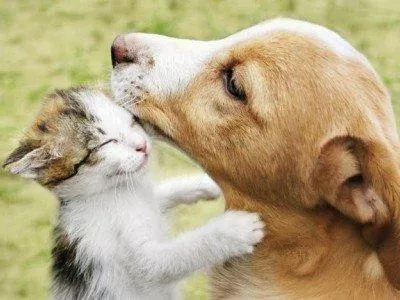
x: 293, y: 123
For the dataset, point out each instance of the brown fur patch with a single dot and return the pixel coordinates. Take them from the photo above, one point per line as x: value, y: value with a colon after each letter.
x: 66, y: 269
x: 61, y: 131
x: 263, y: 153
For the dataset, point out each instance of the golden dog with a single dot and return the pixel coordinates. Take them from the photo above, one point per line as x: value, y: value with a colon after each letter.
x: 293, y: 123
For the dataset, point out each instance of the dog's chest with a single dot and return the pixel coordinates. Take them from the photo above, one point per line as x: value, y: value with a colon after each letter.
x: 236, y: 280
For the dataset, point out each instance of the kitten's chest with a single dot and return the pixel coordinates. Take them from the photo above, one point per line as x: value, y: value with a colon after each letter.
x: 106, y: 224
x: 144, y: 219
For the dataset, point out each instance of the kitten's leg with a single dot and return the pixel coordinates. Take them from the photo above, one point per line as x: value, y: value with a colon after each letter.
x: 186, y: 190
x: 232, y: 234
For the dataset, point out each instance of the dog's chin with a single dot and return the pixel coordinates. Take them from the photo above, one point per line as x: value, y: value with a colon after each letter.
x: 155, y: 132
x: 151, y: 129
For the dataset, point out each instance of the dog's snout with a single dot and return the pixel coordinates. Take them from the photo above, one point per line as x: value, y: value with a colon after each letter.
x: 120, y: 52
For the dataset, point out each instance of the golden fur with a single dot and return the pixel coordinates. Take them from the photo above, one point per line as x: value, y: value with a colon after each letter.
x: 314, y: 150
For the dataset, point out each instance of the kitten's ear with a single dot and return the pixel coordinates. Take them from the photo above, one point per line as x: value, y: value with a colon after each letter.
x: 26, y: 159
x: 361, y: 179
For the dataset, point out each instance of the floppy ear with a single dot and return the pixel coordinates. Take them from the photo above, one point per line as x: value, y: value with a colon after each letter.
x: 361, y: 179
x: 26, y: 160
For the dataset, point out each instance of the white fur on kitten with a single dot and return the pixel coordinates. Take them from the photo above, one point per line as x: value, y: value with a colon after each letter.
x: 114, y: 215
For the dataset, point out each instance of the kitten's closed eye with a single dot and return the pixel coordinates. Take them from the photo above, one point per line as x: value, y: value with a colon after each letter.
x: 70, y: 129
x: 103, y: 144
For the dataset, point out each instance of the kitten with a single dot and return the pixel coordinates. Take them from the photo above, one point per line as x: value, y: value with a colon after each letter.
x: 111, y: 240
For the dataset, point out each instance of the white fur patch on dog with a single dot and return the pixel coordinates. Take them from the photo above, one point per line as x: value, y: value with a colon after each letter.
x: 175, y: 62
x: 372, y: 267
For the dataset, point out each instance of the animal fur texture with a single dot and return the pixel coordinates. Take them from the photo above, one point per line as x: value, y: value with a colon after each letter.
x: 292, y: 122
x: 111, y: 238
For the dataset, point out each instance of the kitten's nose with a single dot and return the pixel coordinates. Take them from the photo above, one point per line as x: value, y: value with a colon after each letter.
x: 142, y: 147
x: 119, y: 51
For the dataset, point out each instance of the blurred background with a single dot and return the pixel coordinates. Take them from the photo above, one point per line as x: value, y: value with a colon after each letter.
x: 55, y: 44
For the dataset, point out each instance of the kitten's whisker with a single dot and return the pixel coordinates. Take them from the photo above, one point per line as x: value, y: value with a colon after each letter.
x: 132, y: 189
x: 131, y: 180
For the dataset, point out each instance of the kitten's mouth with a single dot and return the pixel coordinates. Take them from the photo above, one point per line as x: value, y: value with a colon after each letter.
x: 143, y: 163
x: 120, y: 172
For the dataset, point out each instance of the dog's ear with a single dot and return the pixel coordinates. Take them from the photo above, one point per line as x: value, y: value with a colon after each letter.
x: 26, y: 159
x: 361, y: 179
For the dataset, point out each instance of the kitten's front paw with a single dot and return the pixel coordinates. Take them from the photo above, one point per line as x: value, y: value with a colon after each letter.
x: 210, y: 189
x: 240, y: 231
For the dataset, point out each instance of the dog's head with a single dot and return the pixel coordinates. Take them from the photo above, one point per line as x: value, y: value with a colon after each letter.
x: 283, y: 111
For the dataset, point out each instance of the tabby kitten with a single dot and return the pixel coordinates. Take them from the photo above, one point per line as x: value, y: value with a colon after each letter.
x: 111, y: 238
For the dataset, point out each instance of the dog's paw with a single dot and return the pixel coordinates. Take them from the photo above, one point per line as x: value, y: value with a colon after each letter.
x: 239, y: 231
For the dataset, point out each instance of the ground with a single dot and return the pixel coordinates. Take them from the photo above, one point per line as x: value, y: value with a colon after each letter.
x: 49, y: 44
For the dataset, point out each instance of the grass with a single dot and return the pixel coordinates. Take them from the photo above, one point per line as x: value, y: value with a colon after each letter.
x: 48, y: 44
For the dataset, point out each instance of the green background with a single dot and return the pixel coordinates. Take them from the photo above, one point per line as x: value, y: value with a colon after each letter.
x: 49, y: 44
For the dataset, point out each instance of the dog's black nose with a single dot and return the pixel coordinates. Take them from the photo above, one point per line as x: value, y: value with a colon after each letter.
x: 119, y: 51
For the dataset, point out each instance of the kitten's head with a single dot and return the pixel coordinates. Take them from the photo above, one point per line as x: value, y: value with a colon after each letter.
x: 81, y: 143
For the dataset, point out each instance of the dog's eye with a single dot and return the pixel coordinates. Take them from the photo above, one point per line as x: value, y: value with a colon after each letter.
x: 231, y: 86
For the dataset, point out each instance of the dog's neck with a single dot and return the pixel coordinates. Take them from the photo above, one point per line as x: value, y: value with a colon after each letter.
x: 306, y: 252
x: 305, y: 233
